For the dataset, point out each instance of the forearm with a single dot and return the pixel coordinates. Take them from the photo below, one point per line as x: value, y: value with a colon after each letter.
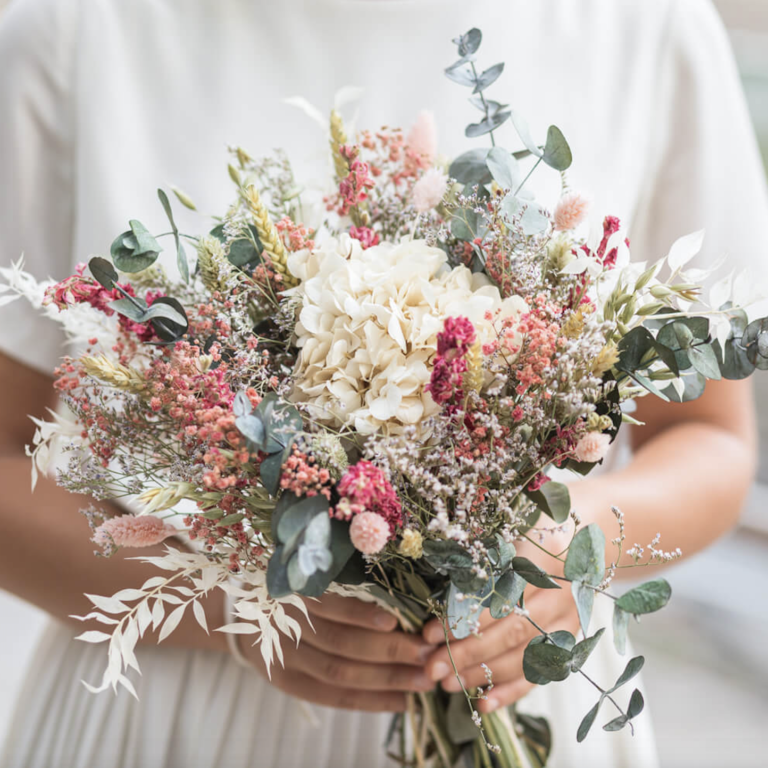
x: 48, y: 558
x: 688, y: 482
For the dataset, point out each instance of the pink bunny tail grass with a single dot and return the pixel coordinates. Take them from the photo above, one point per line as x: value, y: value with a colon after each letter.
x: 369, y: 532
x: 571, y: 210
x: 131, y: 531
x: 422, y: 138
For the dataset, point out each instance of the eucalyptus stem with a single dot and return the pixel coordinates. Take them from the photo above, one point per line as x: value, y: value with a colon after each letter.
x: 485, y: 104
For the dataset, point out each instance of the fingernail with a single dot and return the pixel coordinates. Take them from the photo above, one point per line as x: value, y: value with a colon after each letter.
x: 440, y: 670
x: 491, y: 705
x: 452, y: 684
x: 425, y: 652
x: 422, y: 683
x: 385, y: 621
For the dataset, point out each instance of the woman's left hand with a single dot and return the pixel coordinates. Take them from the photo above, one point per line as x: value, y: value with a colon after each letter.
x: 501, y: 644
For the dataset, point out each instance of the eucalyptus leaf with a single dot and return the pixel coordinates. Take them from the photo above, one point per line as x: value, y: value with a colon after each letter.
x: 241, y: 251
x: 297, y: 578
x: 553, y: 499
x: 583, y: 650
x: 636, y: 704
x: 135, y: 250
x: 647, y: 598
x: 507, y: 592
x: 461, y: 75
x: 236, y: 517
x: 587, y: 722
x: 469, y: 42
x: 241, y: 406
x: 491, y: 123
x: 504, y: 168
x: 277, y: 575
x: 488, y: 77
x: 620, y: 627
x: 693, y: 388
x: 521, y: 126
x: 270, y: 470
x: 755, y: 341
x: 463, y: 612
x: 547, y: 661
x: 181, y: 256
x: 704, y: 360
x: 166, y: 311
x: 168, y: 318
x: 128, y: 308
x: 470, y: 167
x: 251, y: 428
x: 298, y: 517
x: 634, y: 665
x: 533, y: 574
x: 584, y: 597
x: 464, y: 224
x: 585, y: 561
x: 557, y: 153
x: 103, y: 272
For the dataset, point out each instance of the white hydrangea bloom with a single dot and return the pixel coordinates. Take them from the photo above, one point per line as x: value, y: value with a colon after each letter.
x: 368, y: 328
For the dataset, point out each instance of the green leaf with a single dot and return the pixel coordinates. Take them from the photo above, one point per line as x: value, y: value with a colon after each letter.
x: 733, y: 361
x: 587, y: 722
x: 755, y: 341
x: 586, y: 556
x: 461, y: 74
x: 277, y: 575
x: 557, y: 153
x: 634, y: 665
x: 491, y: 123
x: 507, y: 592
x: 620, y: 627
x: 616, y: 724
x: 521, y: 126
x: 553, y: 499
x: 582, y: 650
x: 533, y: 574
x: 236, y: 517
x: 297, y: 579
x: 704, y: 360
x: 460, y: 727
x: 504, y: 168
x: 297, y: 517
x: 128, y: 308
x: 135, y: 250
x: 469, y: 42
x: 563, y: 639
x: 646, y: 383
x: 464, y: 224
x: 584, y: 597
x: 633, y: 347
x: 462, y: 614
x: 241, y: 251
x: 252, y: 429
x: 470, y: 167
x: 647, y: 598
x: 693, y: 388
x: 636, y: 704
x: 445, y: 555
x: 103, y: 272
x: 546, y: 661
x: 501, y: 553
x: 181, y: 256
x: 270, y: 471
x: 488, y: 77
x: 168, y: 318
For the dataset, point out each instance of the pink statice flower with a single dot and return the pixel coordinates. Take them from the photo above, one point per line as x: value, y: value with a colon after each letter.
x: 571, y: 210
x: 422, y: 138
x: 429, y: 190
x: 369, y: 532
x: 592, y: 447
x: 353, y: 189
x: 367, y: 236
x: 132, y: 531
x: 453, y: 343
x: 365, y: 488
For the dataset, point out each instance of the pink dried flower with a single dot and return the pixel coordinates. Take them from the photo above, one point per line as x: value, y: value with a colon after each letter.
x: 367, y: 236
x: 132, y: 531
x: 369, y: 533
x: 571, y: 210
x: 453, y: 343
x: 422, y: 138
x: 365, y: 488
x: 592, y: 447
x: 429, y: 190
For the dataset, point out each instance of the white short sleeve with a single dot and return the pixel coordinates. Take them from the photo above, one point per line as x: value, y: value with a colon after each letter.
x: 707, y: 172
x: 36, y: 164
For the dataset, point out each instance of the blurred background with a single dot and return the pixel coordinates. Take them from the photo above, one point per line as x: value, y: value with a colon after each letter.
x: 708, y: 682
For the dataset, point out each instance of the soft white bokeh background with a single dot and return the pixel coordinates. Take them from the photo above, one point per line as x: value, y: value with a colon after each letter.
x: 707, y: 676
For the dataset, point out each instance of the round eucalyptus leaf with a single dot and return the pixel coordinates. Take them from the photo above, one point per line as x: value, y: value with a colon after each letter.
x: 470, y: 167
x: 135, y: 250
x: 755, y: 341
x: 647, y: 598
x: 168, y: 317
x: 103, y: 272
x: 488, y: 77
x: 557, y: 153
x: 546, y: 661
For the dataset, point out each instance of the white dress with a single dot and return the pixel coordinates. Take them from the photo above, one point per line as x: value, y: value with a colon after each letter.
x: 101, y: 101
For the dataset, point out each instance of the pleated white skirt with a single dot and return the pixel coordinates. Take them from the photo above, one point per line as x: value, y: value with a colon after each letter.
x: 199, y: 709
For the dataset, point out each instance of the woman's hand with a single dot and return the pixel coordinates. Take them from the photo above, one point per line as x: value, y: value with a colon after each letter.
x: 502, y: 642
x: 355, y: 658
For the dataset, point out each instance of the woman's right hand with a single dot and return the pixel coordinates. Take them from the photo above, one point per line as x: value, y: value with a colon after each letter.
x: 354, y: 658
